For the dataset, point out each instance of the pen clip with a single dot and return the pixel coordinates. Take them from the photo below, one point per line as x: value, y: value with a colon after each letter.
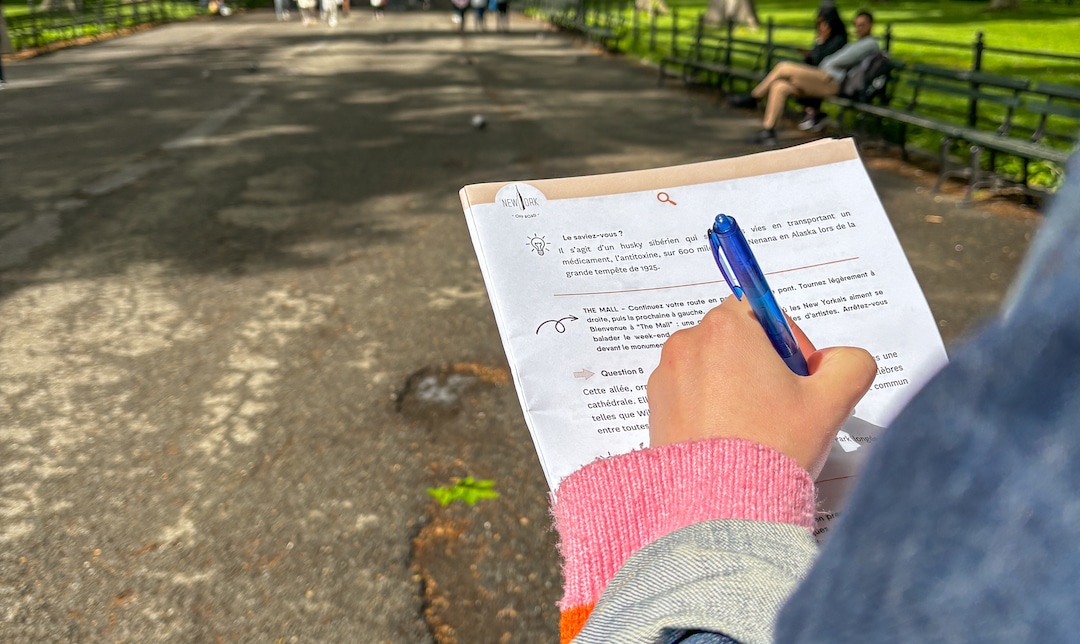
x: 723, y: 264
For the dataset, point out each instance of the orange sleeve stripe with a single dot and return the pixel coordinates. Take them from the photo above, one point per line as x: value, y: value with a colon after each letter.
x: 571, y: 621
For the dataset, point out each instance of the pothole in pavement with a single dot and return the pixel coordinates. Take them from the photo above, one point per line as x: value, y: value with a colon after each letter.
x: 438, y: 391
x: 486, y: 572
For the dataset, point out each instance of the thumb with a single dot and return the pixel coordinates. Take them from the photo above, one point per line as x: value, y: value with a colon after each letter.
x: 839, y: 376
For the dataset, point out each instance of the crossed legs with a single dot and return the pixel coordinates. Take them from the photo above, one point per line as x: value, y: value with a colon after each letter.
x: 791, y: 79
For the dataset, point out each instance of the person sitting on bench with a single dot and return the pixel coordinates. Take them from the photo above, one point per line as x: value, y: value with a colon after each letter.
x: 830, y: 37
x: 795, y: 79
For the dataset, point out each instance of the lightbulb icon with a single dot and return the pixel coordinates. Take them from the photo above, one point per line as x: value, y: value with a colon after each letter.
x: 538, y: 244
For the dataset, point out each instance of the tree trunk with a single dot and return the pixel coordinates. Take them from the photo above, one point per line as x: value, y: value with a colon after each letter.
x: 740, y: 12
x: 648, y: 5
x: 54, y: 5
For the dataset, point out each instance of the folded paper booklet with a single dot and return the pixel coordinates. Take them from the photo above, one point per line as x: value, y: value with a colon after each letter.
x: 588, y: 276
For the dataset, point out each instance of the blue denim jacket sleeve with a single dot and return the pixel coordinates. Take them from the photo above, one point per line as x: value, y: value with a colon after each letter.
x: 965, y: 524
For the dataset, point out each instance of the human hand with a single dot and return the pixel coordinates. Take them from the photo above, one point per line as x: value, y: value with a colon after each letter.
x: 723, y: 379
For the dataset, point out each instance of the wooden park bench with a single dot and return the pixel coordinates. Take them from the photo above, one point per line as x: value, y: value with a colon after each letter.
x: 979, y: 109
x: 941, y: 99
x: 994, y: 116
x: 879, y: 98
x: 1056, y: 109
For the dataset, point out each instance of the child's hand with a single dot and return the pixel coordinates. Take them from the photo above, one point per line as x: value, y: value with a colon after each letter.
x: 723, y: 379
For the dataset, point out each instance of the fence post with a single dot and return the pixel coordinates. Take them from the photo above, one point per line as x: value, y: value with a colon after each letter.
x: 652, y: 30
x: 699, y: 33
x: 727, y: 48
x: 35, y: 33
x: 977, y: 52
x: 674, y: 46
x: 769, y: 26
x: 976, y: 65
x: 888, y: 38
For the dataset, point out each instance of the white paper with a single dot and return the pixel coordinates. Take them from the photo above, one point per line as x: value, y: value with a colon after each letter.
x: 585, y: 290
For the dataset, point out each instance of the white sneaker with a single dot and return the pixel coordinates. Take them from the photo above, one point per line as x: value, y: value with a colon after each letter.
x: 820, y: 123
x: 814, y: 123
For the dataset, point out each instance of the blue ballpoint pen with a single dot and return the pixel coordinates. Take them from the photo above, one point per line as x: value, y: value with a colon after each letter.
x: 744, y: 276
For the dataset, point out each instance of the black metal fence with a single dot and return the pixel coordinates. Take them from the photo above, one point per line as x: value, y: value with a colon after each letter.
x: 658, y: 35
x: 73, y: 19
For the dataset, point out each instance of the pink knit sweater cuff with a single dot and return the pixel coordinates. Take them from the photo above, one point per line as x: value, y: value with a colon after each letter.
x: 613, y: 507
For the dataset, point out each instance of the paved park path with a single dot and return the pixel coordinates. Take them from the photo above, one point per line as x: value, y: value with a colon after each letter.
x: 242, y: 327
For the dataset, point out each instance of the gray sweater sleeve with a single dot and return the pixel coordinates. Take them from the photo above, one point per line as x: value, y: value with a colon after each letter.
x: 849, y: 56
x: 727, y: 576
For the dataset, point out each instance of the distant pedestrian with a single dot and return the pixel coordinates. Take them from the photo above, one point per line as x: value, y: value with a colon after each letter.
x: 502, y: 18
x: 479, y: 6
x: 281, y: 9
x: 329, y: 12
x: 460, y: 7
x: 307, y: 12
x: 377, y: 7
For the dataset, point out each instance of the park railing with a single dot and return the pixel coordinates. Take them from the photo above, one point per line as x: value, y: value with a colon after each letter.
x: 654, y: 35
x: 683, y: 43
x: 68, y: 20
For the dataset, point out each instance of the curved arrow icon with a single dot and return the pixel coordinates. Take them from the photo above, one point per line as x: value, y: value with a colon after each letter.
x: 559, y: 326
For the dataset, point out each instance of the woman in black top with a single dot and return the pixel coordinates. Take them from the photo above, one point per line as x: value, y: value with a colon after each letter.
x: 831, y: 36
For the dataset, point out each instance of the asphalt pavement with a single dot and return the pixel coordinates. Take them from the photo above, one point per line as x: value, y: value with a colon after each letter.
x: 242, y: 328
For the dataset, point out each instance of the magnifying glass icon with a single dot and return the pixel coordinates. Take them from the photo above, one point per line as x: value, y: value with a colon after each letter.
x: 663, y: 197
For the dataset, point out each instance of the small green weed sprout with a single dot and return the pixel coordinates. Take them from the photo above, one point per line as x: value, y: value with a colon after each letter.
x: 467, y: 489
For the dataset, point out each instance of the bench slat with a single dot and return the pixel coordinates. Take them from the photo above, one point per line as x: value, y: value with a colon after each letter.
x: 967, y: 92
x: 1051, y: 108
x: 1057, y: 90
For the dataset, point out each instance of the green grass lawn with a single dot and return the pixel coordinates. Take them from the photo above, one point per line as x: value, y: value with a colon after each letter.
x: 13, y: 8
x: 1037, y: 26
x: 1040, y: 27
